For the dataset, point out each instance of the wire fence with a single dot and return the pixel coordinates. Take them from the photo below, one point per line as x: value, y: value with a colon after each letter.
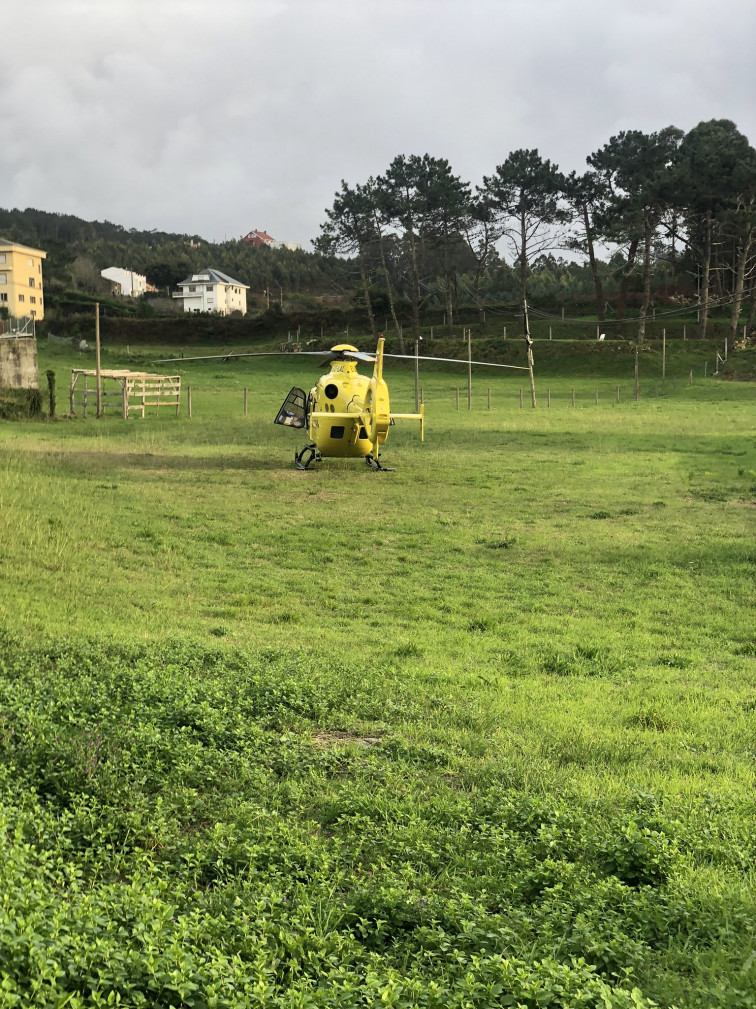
x: 481, y: 397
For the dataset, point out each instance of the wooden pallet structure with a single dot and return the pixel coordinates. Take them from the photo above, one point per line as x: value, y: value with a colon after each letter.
x: 131, y: 392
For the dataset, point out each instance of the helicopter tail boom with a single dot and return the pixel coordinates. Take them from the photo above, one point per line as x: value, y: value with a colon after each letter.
x: 413, y: 416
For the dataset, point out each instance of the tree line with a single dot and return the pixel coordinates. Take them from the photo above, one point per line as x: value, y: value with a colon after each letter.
x: 665, y: 203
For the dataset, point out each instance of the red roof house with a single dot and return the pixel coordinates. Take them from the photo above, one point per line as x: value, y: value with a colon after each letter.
x: 259, y: 238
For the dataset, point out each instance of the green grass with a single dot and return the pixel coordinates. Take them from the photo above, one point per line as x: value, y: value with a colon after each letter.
x: 478, y: 732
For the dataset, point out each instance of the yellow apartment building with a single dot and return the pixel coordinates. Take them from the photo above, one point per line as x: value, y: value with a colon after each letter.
x: 21, y: 289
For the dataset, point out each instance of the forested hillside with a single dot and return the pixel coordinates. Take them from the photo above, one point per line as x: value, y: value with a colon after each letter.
x: 77, y: 250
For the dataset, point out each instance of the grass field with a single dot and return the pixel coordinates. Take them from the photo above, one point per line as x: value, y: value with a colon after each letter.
x: 478, y: 732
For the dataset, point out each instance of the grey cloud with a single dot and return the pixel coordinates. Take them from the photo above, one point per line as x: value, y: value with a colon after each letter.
x: 214, y: 118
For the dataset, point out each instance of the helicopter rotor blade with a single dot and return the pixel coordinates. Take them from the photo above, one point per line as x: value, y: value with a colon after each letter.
x: 456, y: 360
x: 340, y: 355
x: 360, y: 355
x: 232, y: 356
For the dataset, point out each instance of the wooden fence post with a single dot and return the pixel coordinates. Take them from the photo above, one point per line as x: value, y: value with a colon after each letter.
x: 637, y: 386
x: 521, y: 399
x: 245, y: 402
x: 457, y: 396
x: 189, y: 400
x: 98, y: 398
x: 573, y: 396
x: 469, y: 368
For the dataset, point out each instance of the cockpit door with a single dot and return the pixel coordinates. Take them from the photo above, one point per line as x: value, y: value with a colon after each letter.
x: 293, y: 412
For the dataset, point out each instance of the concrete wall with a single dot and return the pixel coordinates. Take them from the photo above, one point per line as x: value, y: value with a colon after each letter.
x: 18, y: 363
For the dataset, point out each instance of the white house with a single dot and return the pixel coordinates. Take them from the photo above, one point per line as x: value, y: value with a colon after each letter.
x: 213, y: 291
x: 125, y: 282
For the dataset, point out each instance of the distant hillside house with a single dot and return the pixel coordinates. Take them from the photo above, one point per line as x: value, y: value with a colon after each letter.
x: 126, y: 283
x: 260, y: 238
x: 21, y: 280
x: 263, y: 238
x: 213, y: 291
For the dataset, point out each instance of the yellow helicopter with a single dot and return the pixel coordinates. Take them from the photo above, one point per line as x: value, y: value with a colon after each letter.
x: 347, y: 415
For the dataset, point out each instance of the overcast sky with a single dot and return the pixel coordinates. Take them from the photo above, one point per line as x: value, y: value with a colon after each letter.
x: 214, y: 118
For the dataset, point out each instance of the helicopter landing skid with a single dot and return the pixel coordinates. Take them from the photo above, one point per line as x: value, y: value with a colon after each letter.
x: 374, y: 463
x: 308, y: 455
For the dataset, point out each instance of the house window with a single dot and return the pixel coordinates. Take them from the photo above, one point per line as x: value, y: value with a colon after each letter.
x: 39, y: 267
x: 2, y: 257
x: 30, y: 262
x: 3, y: 278
x: 33, y: 314
x: 209, y: 287
x: 192, y: 289
x: 3, y: 297
x: 20, y: 297
x: 31, y: 282
x: 32, y: 299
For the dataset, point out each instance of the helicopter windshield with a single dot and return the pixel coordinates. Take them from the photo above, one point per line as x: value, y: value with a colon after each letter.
x: 293, y: 412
